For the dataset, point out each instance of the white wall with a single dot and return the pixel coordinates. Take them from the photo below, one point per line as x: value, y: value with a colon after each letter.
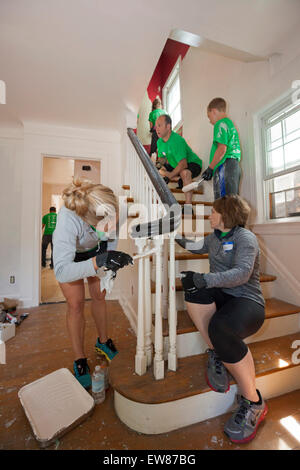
x: 21, y: 190
x: 11, y: 168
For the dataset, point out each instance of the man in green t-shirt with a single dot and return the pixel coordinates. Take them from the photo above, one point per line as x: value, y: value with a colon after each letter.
x: 225, y: 152
x: 49, y: 222
x: 180, y: 162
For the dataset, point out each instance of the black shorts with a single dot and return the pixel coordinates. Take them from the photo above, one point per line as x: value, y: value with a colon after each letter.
x: 235, y: 319
x: 85, y: 255
x: 194, y: 168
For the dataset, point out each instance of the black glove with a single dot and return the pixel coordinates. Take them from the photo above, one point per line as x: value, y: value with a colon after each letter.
x: 166, y: 179
x: 207, y: 174
x: 192, y: 281
x: 113, y: 260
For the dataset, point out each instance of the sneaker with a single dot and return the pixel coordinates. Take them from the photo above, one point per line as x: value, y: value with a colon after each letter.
x: 107, y: 349
x: 82, y: 373
x: 217, y: 377
x: 243, y: 424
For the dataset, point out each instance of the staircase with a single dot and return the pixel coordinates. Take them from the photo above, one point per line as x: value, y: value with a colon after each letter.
x: 182, y: 397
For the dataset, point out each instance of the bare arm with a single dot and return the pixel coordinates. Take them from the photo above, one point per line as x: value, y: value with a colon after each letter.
x: 219, y: 154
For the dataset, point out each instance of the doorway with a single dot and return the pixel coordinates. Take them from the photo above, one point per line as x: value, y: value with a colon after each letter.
x: 58, y: 172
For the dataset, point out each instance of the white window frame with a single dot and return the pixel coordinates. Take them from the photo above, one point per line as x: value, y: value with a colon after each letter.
x: 168, y: 85
x: 260, y: 120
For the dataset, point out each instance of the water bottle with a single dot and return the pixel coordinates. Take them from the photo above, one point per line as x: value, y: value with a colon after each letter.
x: 104, y: 367
x: 98, y: 385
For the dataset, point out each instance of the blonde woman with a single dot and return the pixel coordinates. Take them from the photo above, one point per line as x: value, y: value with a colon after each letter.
x: 79, y: 251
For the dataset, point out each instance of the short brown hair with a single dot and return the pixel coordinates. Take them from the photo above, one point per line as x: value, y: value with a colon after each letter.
x: 233, y: 209
x: 156, y: 103
x: 217, y: 103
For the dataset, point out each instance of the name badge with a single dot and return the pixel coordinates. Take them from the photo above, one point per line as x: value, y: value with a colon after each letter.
x: 227, y: 246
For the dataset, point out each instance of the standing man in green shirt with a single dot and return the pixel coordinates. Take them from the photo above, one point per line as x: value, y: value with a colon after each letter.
x: 155, y: 113
x: 180, y: 162
x: 49, y: 222
x: 225, y: 152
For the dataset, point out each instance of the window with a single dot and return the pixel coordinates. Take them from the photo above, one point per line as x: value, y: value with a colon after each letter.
x: 281, y: 150
x: 171, y: 97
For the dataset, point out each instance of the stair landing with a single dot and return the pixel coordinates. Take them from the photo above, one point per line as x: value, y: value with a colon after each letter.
x: 269, y: 356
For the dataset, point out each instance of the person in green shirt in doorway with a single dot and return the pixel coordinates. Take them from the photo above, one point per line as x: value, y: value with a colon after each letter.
x: 49, y: 222
x: 180, y: 162
x: 225, y: 152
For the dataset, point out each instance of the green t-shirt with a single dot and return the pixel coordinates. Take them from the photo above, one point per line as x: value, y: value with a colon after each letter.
x: 155, y: 114
x: 49, y: 220
x: 225, y: 133
x: 175, y: 150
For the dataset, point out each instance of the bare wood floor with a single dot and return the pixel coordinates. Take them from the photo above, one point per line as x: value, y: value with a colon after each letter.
x: 41, y: 346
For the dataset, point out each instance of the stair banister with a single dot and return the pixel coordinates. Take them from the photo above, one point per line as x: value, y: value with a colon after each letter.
x: 156, y: 230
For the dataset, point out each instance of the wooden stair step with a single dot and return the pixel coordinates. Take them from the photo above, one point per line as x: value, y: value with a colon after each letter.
x: 182, y: 256
x: 274, y: 308
x: 189, y: 379
x: 263, y: 278
x: 195, y: 203
x: 176, y: 190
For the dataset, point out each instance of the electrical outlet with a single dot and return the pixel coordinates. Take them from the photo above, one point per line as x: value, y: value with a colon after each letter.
x: 12, y: 279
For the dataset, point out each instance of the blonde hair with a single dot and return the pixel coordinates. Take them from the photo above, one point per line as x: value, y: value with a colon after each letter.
x: 92, y: 202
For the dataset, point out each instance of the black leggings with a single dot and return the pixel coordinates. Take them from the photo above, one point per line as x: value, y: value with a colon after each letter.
x: 236, y: 318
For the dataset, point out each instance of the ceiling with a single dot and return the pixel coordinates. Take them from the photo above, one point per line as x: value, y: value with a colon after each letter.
x: 86, y: 63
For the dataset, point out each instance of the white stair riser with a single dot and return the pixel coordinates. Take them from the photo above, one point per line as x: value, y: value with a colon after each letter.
x: 193, y: 225
x: 199, y: 265
x: 206, y: 210
x: 266, y: 287
x: 190, y: 344
x: 165, y: 417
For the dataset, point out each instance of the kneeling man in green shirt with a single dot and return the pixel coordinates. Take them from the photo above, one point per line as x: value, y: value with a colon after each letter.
x: 180, y: 162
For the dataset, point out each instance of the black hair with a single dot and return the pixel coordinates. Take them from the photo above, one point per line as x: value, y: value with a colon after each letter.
x: 168, y: 119
x: 52, y: 209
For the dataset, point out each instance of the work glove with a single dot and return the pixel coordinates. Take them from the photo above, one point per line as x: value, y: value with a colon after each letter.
x: 113, y: 260
x: 191, y: 281
x: 166, y: 179
x: 207, y: 174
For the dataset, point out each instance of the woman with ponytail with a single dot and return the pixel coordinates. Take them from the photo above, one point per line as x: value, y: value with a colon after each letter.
x: 79, y: 251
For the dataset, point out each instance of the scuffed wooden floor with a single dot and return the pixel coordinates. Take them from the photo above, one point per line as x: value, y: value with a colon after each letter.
x: 41, y: 345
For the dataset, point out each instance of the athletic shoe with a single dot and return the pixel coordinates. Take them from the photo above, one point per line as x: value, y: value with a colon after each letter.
x: 107, y: 349
x: 243, y: 424
x: 217, y: 376
x: 82, y: 373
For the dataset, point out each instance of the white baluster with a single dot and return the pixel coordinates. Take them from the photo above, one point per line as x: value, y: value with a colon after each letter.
x: 165, y: 291
x: 140, y: 357
x: 158, y: 365
x: 172, y: 355
x: 148, y: 311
